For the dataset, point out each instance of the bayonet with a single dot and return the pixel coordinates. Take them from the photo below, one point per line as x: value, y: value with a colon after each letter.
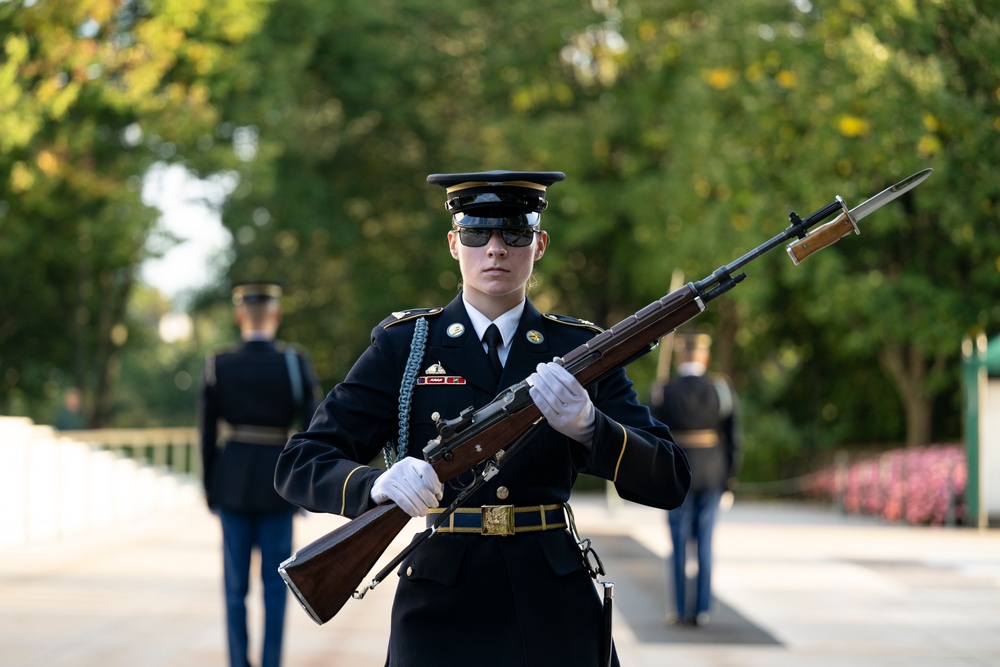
x: 847, y: 221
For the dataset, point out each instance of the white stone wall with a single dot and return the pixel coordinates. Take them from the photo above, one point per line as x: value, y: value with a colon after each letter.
x: 53, y: 486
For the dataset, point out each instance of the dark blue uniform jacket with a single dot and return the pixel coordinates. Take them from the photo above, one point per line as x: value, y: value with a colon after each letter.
x: 249, y: 385
x: 693, y: 403
x: 458, y: 592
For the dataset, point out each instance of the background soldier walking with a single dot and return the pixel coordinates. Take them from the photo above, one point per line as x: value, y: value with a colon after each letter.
x: 700, y: 410
x: 255, y: 392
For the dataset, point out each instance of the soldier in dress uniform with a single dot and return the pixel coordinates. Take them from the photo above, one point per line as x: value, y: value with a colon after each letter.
x: 701, y: 411
x: 250, y: 396
x: 515, y: 596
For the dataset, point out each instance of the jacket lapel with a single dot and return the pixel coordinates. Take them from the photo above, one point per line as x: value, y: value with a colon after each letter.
x: 529, y: 348
x: 456, y: 347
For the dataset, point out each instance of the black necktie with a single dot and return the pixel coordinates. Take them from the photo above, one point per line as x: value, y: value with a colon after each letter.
x: 493, y: 341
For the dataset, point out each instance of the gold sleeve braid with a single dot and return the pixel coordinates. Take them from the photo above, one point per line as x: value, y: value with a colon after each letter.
x: 621, y: 454
x: 343, y: 491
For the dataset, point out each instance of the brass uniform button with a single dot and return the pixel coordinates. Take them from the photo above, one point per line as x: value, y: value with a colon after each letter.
x: 409, y: 571
x: 503, y: 492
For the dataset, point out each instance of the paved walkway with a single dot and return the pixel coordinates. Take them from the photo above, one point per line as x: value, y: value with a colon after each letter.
x: 796, y: 587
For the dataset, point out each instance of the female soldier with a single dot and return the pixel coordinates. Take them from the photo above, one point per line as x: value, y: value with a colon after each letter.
x: 463, y: 598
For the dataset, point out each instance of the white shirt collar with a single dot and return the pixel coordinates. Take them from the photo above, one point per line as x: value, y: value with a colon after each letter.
x: 695, y: 368
x: 507, y: 323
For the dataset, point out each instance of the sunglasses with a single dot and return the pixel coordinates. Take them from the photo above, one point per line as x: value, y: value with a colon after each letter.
x: 478, y: 237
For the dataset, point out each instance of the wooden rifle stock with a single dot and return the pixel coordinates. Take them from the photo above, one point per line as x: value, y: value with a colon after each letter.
x: 325, y: 574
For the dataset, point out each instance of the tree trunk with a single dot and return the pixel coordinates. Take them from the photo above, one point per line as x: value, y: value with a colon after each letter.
x: 112, y: 312
x: 909, y: 369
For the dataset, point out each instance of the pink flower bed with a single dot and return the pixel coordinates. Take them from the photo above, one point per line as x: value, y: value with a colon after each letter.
x: 921, y: 486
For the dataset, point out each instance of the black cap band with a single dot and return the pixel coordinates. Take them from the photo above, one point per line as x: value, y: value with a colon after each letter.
x: 496, y: 199
x: 529, y: 220
x: 256, y: 292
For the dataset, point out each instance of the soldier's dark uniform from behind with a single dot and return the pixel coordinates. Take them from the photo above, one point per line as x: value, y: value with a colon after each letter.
x: 701, y: 411
x: 251, y: 396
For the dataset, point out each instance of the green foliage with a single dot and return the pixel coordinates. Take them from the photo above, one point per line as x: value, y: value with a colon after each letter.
x: 93, y: 93
x: 687, y: 131
x: 168, y: 367
x: 773, y: 450
x: 686, y: 134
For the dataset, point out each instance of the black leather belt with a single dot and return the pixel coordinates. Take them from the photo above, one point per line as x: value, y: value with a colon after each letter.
x: 501, y: 519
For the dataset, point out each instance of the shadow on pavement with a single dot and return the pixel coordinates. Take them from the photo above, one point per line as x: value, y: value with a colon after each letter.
x: 641, y: 593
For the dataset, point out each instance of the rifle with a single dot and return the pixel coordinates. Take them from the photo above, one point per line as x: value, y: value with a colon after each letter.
x: 324, y: 574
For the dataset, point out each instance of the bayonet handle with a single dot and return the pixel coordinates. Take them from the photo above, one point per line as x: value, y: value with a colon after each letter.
x: 823, y: 236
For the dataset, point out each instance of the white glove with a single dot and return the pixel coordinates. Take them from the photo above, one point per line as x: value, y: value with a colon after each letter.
x: 412, y: 484
x: 564, y: 402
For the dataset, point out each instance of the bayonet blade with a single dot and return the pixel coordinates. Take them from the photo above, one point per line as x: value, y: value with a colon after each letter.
x: 890, y: 193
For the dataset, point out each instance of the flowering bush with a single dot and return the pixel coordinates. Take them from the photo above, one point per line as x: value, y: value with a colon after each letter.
x: 921, y: 486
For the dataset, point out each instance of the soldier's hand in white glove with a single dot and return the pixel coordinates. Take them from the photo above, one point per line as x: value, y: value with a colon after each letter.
x: 410, y: 483
x: 564, y: 402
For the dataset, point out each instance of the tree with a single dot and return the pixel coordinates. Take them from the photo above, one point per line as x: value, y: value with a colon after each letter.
x: 687, y: 131
x: 93, y: 93
x: 371, y: 99
x: 719, y: 118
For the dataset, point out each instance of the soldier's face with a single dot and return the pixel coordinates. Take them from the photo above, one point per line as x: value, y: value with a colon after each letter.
x: 497, y: 269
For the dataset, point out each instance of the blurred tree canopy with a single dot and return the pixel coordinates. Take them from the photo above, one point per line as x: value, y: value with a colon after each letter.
x: 687, y: 131
x: 92, y: 93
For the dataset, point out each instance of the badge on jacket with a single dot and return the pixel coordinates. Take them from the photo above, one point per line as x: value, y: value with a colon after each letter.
x: 437, y: 375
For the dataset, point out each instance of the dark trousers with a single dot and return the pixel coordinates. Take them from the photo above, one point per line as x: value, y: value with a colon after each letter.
x: 693, y: 520
x: 271, y: 534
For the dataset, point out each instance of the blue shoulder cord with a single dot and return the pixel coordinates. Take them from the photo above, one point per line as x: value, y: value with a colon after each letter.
x: 406, y: 394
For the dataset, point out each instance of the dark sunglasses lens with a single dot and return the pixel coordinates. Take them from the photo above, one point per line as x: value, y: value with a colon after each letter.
x: 474, y: 238
x: 517, y: 238
x: 478, y: 237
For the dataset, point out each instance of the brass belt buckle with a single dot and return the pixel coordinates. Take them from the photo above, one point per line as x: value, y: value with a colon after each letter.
x: 498, y: 519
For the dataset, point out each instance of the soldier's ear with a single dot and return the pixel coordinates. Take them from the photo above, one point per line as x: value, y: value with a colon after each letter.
x: 543, y: 242
x: 452, y: 241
